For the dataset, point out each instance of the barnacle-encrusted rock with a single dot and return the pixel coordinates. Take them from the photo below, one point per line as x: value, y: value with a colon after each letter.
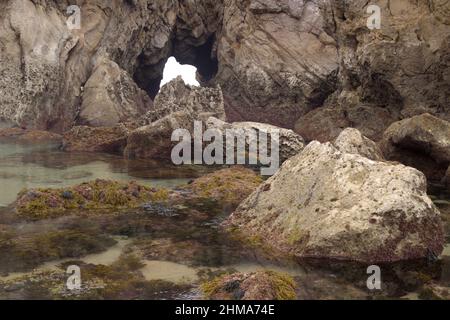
x: 327, y: 204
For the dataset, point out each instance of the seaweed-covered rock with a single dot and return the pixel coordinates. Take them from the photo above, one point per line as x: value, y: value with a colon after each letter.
x: 352, y: 141
x: 327, y: 204
x: 98, y: 194
x: 228, y: 187
x: 261, y: 285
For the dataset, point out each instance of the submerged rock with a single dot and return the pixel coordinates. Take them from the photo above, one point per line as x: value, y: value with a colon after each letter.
x: 352, y: 141
x: 42, y: 203
x: 327, y: 204
x: 261, y: 285
x: 422, y: 142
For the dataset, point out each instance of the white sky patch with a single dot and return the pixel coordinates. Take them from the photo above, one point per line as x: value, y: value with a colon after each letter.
x: 173, y: 69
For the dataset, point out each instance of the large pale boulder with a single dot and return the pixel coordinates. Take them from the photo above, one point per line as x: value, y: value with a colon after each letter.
x: 422, y: 142
x: 327, y: 204
x: 352, y: 141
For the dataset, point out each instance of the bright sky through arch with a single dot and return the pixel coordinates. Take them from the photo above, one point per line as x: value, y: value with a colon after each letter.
x: 174, y: 69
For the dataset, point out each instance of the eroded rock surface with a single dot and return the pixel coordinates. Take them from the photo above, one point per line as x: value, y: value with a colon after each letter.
x: 422, y: 142
x: 276, y: 62
x: 398, y: 71
x: 99, y: 139
x: 352, y: 141
x: 327, y: 204
x: 111, y: 97
x: 176, y: 96
x: 310, y: 63
x: 45, y: 65
x: 290, y: 143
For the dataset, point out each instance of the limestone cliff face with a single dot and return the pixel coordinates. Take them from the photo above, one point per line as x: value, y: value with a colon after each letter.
x: 310, y: 64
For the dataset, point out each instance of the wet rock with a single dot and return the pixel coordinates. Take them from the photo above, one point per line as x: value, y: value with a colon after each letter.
x: 111, y: 96
x: 422, y: 142
x: 101, y: 139
x: 68, y: 195
x: 227, y: 186
x: 160, y: 209
x: 154, y: 140
x: 176, y: 96
x: 18, y: 135
x: 290, y: 143
x: 327, y: 204
x: 352, y: 141
x: 261, y: 285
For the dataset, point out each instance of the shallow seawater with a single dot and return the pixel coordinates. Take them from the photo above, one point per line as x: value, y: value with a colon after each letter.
x: 175, y: 252
x: 44, y: 166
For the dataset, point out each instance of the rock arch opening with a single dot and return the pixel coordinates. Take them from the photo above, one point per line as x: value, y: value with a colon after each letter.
x: 173, y: 69
x: 196, y: 61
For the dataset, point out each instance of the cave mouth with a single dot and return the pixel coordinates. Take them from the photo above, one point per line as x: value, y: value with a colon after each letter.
x: 202, y: 57
x: 173, y: 69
